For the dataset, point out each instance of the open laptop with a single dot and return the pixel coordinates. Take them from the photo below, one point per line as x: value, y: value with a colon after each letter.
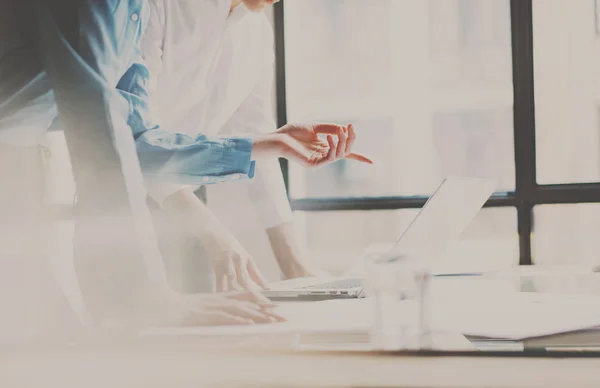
x: 439, y: 223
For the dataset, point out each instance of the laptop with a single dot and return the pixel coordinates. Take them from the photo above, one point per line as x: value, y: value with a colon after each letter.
x: 446, y: 214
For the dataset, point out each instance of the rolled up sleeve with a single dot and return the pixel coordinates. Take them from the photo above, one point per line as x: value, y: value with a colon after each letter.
x: 168, y: 170
x: 167, y: 156
x: 178, y: 158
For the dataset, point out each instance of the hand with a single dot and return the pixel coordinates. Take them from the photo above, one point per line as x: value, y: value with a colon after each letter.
x: 212, y: 310
x: 234, y: 267
x: 302, y: 144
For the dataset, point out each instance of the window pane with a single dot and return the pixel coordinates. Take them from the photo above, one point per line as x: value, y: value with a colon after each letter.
x: 567, y: 234
x: 567, y: 90
x: 428, y: 85
x: 336, y: 240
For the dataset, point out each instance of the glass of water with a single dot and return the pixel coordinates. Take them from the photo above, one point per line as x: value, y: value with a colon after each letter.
x: 399, y: 289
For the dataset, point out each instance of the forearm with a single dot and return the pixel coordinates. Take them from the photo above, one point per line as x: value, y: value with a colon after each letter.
x: 169, y: 156
x: 195, y: 216
x: 199, y: 160
x: 268, y: 194
x: 287, y: 251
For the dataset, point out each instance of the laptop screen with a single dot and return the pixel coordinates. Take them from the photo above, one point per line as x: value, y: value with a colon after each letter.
x: 443, y: 218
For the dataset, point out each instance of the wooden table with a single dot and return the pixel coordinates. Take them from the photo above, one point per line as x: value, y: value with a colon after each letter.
x: 184, y: 362
x: 188, y: 365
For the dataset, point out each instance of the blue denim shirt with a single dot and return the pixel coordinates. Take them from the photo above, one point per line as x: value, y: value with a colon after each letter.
x: 27, y: 101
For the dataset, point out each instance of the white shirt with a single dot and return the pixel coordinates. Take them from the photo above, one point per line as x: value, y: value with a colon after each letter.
x: 212, y: 73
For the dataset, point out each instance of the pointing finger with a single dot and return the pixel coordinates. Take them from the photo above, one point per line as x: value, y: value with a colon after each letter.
x: 329, y: 129
x: 359, y: 158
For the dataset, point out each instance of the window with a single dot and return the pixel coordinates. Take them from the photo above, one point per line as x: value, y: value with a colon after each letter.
x: 336, y: 240
x: 446, y: 87
x: 567, y: 73
x: 567, y: 234
x: 427, y: 85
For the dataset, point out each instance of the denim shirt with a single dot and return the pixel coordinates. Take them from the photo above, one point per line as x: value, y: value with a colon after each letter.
x: 113, y: 52
x: 99, y: 86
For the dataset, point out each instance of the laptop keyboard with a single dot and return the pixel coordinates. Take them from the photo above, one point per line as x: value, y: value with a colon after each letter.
x: 343, y: 284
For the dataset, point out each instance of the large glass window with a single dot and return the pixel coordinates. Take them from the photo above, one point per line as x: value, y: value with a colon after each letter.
x: 508, y: 90
x: 567, y: 100
x: 567, y: 234
x: 427, y: 83
x: 336, y: 240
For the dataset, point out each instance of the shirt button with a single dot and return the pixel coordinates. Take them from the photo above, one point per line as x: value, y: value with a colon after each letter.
x: 205, y: 179
x: 134, y: 17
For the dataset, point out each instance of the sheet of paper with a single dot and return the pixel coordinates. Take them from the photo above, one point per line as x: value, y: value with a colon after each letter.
x: 518, y: 316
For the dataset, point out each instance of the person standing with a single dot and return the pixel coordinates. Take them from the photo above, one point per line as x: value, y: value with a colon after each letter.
x: 211, y: 69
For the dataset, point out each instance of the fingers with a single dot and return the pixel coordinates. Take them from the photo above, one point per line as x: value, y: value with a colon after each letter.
x: 202, y: 310
x: 241, y: 272
x: 359, y: 158
x: 252, y: 312
x: 298, y: 153
x: 256, y: 276
x: 318, y: 153
x: 332, y: 149
x: 249, y: 278
x: 341, y: 145
x: 340, y: 132
x: 253, y: 297
x: 351, y: 139
x: 267, y: 310
x: 258, y: 298
x: 274, y: 317
x: 327, y: 129
x: 230, y: 280
x: 330, y: 157
x: 221, y: 281
x: 218, y: 318
x: 219, y: 310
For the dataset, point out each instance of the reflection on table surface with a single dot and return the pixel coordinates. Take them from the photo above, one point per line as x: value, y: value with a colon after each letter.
x: 521, y: 309
x: 579, y: 283
x: 288, y: 359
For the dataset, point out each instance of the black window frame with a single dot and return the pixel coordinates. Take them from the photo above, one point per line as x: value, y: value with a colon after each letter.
x: 527, y: 194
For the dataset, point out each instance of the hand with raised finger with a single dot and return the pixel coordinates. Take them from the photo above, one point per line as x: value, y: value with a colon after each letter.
x: 304, y: 144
